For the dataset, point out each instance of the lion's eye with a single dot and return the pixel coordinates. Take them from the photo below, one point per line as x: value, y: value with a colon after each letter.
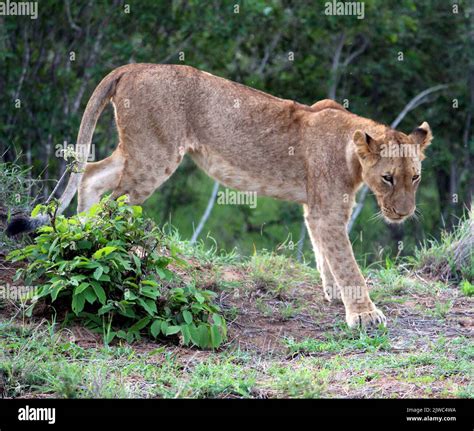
x: 388, y: 179
x: 415, y: 177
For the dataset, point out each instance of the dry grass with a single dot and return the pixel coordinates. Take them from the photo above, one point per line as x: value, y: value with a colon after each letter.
x: 451, y: 258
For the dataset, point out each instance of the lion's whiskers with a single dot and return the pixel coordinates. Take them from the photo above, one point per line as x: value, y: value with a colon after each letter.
x: 377, y: 216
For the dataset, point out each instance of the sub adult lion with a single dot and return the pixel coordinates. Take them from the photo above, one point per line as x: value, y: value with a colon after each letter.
x: 316, y: 155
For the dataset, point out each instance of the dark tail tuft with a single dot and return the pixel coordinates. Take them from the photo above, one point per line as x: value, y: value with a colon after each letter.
x: 24, y: 224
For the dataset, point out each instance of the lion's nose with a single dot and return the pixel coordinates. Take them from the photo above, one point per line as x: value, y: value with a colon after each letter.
x: 404, y: 213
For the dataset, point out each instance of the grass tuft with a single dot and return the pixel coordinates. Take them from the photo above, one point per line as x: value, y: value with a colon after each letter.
x: 451, y: 258
x: 344, y: 341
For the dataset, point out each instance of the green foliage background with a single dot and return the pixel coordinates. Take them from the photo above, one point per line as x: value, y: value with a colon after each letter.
x: 52, y: 64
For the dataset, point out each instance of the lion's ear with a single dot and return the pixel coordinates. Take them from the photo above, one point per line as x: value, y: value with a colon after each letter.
x: 422, y: 137
x: 366, y: 146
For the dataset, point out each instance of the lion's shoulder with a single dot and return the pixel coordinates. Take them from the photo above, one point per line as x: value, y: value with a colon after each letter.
x: 327, y: 104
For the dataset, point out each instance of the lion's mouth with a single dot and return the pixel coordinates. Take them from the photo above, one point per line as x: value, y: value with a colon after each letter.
x: 392, y: 217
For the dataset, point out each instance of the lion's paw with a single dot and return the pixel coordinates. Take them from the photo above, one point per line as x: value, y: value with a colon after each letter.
x: 365, y: 319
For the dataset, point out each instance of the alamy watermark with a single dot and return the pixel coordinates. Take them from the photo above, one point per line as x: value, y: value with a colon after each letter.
x: 42, y: 414
x: 348, y: 8
x: 232, y: 197
x: 400, y: 150
x: 70, y: 151
x: 15, y: 293
x: 19, y: 8
x: 353, y: 293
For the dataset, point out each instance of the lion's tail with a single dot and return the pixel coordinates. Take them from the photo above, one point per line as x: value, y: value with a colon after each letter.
x: 99, y: 99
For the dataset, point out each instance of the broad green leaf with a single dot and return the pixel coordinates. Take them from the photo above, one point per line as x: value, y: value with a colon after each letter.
x: 149, y: 305
x: 105, y: 309
x: 84, y: 245
x: 155, y: 328
x: 137, y: 210
x: 93, y: 210
x: 188, y: 317
x: 98, y: 273
x: 151, y: 292
x: 165, y: 274
x: 203, y: 332
x: 199, y: 297
x: 36, y: 210
x: 138, y: 262
x: 173, y: 330
x: 129, y: 295
x: 128, y: 312
x: 140, y: 324
x: 216, y: 338
x: 186, y: 334
x: 78, y: 302
x: 104, y: 251
x: 75, y: 279
x: 55, y: 291
x: 79, y: 289
x: 194, y: 333
x: 100, y: 292
x: 90, y: 295
x: 150, y: 283
x: 52, y: 247
x: 217, y: 319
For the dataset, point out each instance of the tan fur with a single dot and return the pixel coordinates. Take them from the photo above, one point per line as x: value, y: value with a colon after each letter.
x: 248, y: 140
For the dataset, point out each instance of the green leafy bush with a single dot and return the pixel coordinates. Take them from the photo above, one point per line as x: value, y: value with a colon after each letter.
x: 110, y: 267
x: 467, y: 288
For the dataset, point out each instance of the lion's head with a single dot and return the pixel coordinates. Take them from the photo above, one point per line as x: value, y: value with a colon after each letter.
x: 391, y: 167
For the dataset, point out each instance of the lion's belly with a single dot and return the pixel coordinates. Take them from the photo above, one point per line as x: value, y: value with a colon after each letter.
x: 266, y: 182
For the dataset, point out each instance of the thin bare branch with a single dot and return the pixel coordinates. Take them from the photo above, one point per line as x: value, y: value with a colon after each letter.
x: 268, y: 50
x: 335, y: 66
x: 206, y: 214
x: 415, y: 102
x: 73, y: 25
x: 353, y: 55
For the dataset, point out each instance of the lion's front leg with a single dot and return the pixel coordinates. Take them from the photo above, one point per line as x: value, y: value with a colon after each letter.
x: 329, y: 237
x: 330, y: 287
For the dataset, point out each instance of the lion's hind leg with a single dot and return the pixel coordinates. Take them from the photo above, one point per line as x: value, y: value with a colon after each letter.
x: 141, y: 177
x: 98, y: 178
